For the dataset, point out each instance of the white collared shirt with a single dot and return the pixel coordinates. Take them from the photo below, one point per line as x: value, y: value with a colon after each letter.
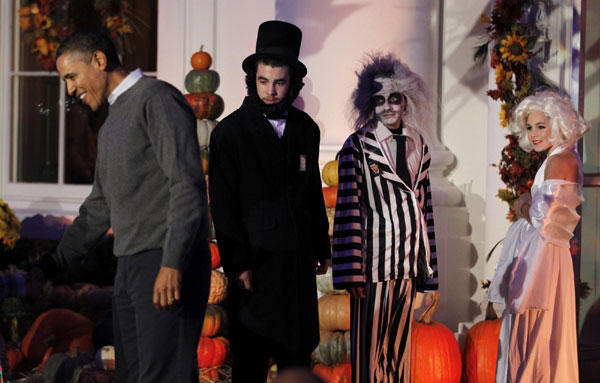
x: 127, y: 83
x: 388, y: 144
x: 278, y: 125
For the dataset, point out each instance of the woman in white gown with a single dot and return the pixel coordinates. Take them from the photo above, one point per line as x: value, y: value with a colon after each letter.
x: 534, y: 276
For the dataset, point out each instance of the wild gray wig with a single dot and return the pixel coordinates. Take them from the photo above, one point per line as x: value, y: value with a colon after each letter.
x: 411, y: 85
x: 566, y: 125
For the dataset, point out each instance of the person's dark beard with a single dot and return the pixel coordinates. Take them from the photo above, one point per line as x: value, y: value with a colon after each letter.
x: 273, y: 111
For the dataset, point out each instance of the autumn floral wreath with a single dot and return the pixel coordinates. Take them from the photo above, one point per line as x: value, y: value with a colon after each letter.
x: 45, y: 23
x: 514, y: 30
x: 9, y: 226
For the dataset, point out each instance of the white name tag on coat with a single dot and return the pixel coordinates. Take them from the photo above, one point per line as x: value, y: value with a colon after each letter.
x: 302, y: 162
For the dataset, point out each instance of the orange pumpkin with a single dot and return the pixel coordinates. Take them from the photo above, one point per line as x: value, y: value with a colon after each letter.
x: 481, y: 349
x: 435, y: 356
x: 330, y: 196
x: 66, y: 328
x: 201, y: 59
x: 16, y: 359
x: 342, y: 373
x: 213, y: 320
x: 212, y: 351
x: 206, y: 105
x: 218, y: 287
x: 334, y: 312
x: 215, y: 259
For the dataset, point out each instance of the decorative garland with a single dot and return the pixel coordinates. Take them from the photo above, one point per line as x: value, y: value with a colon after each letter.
x: 9, y: 226
x: 45, y: 23
x: 513, y: 33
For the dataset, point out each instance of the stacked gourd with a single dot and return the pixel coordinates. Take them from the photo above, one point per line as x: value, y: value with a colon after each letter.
x: 332, y: 355
x: 213, y: 348
x: 202, y: 83
x: 330, y: 178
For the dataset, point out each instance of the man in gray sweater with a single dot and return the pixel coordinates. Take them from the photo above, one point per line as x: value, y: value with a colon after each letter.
x: 149, y: 187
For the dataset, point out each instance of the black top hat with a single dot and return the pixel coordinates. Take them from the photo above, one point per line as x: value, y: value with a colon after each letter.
x: 279, y: 40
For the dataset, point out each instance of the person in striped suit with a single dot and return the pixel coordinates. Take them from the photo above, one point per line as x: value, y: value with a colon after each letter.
x: 383, y: 235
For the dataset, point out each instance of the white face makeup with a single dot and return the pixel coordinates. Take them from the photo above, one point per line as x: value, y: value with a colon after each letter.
x: 539, y: 131
x: 389, y: 103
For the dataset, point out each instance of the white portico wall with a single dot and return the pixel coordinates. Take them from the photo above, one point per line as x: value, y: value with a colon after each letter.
x: 336, y: 36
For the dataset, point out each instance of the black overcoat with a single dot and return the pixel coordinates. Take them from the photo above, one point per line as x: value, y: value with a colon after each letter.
x: 269, y: 217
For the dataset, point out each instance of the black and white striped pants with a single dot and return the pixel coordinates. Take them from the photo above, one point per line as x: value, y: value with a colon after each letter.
x: 381, y: 325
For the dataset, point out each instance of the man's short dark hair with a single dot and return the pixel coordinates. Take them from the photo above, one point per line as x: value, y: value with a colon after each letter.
x: 88, y: 42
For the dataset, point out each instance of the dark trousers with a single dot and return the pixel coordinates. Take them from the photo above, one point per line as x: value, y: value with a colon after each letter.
x: 153, y: 346
x: 251, y: 357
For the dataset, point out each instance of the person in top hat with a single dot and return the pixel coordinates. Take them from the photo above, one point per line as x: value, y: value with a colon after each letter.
x: 268, y: 211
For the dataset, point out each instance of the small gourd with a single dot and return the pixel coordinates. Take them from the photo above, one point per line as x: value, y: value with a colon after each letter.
x: 334, y: 312
x: 201, y: 60
x: 204, y: 129
x: 330, y: 173
x: 218, y: 287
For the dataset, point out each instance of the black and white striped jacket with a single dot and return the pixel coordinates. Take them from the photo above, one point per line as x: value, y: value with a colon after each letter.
x: 383, y: 229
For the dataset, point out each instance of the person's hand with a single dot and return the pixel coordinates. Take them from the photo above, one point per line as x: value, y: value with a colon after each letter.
x: 167, y: 288
x: 322, y: 266
x: 522, y: 204
x: 244, y: 280
x: 357, y: 292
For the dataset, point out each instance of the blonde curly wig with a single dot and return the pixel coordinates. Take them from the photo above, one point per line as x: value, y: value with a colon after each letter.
x: 566, y: 125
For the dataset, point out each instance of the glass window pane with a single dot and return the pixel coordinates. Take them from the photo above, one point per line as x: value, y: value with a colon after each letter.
x: 139, y: 49
x: 81, y: 140
x: 43, y: 24
x: 37, y: 122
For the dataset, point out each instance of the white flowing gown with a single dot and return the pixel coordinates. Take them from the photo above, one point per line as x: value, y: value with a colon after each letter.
x: 534, y: 281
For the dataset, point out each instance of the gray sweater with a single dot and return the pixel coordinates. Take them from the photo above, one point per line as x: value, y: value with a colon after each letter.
x: 149, y: 184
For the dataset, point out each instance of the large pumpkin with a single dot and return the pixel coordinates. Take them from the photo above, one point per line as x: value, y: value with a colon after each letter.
x: 342, y: 373
x: 206, y: 105
x: 212, y: 351
x: 334, y: 312
x: 218, y: 287
x: 214, y: 320
x: 481, y: 349
x: 435, y: 356
x: 330, y: 173
x: 330, y: 196
x: 204, y: 129
x: 65, y: 328
x: 334, y: 348
x: 215, y: 258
